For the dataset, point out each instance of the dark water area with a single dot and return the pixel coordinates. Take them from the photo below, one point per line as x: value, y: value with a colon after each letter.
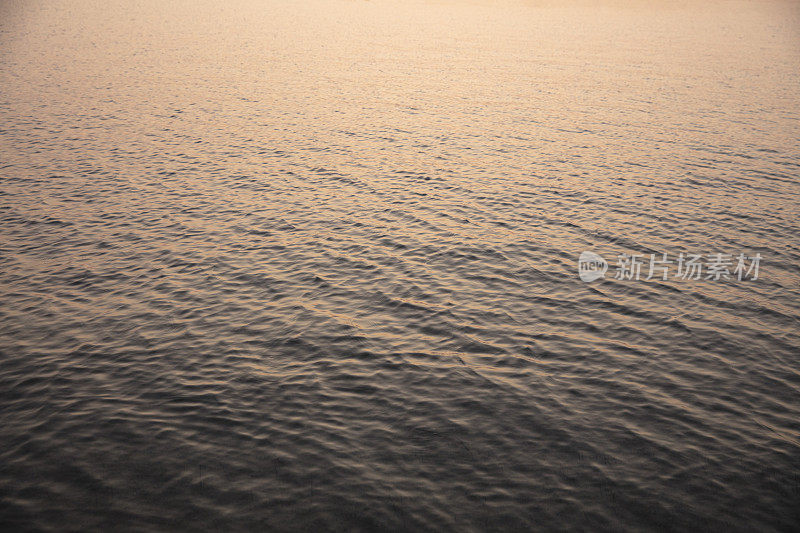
x: 314, y: 266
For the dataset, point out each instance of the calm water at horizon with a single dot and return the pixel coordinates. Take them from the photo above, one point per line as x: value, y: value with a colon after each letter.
x: 314, y: 265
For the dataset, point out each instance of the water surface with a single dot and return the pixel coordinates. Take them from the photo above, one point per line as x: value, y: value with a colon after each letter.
x: 284, y: 266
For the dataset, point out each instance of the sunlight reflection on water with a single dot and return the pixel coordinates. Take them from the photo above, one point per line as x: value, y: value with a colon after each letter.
x: 268, y: 265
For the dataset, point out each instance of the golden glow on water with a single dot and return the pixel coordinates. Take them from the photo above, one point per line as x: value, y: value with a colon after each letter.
x: 312, y: 265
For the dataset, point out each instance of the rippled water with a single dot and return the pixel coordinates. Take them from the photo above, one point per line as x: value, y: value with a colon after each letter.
x: 279, y: 266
